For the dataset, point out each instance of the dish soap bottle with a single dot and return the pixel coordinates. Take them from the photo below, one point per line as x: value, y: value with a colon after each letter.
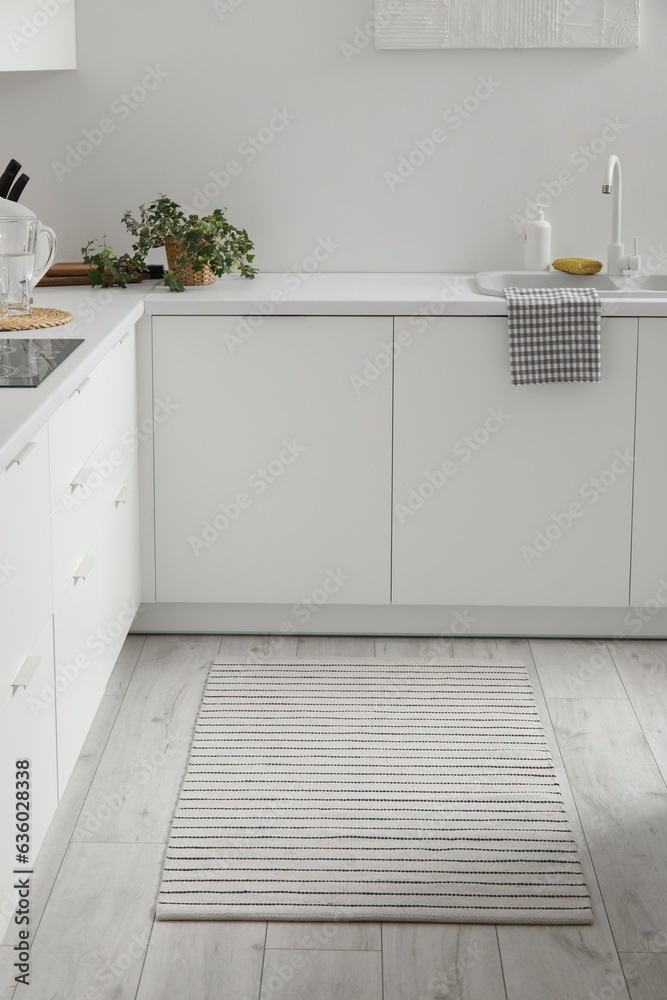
x: 537, y: 244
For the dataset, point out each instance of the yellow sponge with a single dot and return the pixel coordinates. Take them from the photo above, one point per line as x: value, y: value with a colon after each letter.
x: 577, y: 265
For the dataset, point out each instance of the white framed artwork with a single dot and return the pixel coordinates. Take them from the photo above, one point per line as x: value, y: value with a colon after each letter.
x: 506, y: 24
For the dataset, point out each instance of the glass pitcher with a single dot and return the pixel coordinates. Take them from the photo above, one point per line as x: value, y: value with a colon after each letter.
x: 18, y: 245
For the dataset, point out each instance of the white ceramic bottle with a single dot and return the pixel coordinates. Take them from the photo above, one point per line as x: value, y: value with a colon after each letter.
x: 537, y: 244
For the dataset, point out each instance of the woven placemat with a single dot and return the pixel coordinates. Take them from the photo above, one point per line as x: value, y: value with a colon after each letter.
x: 39, y: 319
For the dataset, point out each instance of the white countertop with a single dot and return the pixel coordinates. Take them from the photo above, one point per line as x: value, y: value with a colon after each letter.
x: 103, y: 316
x: 355, y: 295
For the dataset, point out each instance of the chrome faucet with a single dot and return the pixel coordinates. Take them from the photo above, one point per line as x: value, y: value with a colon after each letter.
x: 617, y: 260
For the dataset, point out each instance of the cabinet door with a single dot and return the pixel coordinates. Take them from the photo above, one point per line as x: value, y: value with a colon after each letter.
x: 28, y: 732
x: 510, y: 495
x: 273, y: 460
x: 649, y: 536
x: 79, y: 515
x: 91, y: 623
x: 25, y: 575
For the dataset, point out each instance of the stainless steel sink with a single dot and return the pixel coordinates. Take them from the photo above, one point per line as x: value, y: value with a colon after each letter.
x: 649, y: 286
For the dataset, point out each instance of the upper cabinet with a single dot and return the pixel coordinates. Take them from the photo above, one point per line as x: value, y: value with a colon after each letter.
x: 37, y: 36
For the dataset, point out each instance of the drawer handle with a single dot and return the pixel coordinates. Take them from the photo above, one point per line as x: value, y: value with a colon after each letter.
x: 26, y: 673
x: 84, y: 569
x: 81, y: 477
x: 122, y: 496
x: 23, y: 454
x: 86, y: 382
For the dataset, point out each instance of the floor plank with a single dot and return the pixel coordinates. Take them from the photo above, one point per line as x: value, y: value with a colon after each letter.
x: 321, y: 647
x: 443, y: 961
x: 65, y: 818
x: 563, y: 963
x: 7, y: 973
x: 576, y: 669
x: 620, y: 794
x: 257, y: 648
x: 124, y: 667
x: 622, y: 800
x: 322, y: 975
x: 95, y: 931
x: 326, y: 937
x: 646, y: 975
x: 136, y: 786
x: 214, y: 960
x: 643, y: 670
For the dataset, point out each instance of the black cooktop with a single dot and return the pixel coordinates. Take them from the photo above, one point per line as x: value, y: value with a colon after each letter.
x: 26, y: 363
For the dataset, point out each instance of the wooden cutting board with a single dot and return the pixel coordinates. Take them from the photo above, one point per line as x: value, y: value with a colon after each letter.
x: 73, y: 273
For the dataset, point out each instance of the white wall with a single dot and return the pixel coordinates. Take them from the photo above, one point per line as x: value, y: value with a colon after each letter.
x: 323, y: 176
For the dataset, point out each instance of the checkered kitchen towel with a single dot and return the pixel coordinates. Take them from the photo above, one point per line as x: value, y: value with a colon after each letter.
x: 554, y: 334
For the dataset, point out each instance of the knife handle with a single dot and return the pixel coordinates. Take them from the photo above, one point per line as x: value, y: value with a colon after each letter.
x: 8, y: 177
x: 18, y: 188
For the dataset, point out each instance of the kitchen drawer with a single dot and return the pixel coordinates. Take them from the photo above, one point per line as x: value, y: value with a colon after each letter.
x: 73, y: 433
x: 94, y: 421
x: 91, y: 622
x: 118, y: 401
x: 80, y: 513
x: 28, y: 732
x: 25, y: 576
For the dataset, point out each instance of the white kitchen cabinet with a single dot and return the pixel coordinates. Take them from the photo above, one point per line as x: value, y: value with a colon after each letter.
x: 28, y: 729
x: 510, y: 495
x: 37, y: 36
x: 25, y: 577
x: 272, y: 469
x: 108, y: 408
x: 69, y: 572
x: 89, y: 426
x: 649, y: 534
x: 92, y: 621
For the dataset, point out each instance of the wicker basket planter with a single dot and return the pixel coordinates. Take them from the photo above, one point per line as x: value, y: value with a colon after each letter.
x: 186, y: 274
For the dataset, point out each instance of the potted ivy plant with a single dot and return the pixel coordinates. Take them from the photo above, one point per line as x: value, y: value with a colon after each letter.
x: 199, y: 249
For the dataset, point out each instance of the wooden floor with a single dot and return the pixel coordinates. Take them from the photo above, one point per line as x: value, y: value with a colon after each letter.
x: 604, y: 706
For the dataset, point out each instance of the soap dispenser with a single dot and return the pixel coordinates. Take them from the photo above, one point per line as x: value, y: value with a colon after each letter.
x: 537, y: 244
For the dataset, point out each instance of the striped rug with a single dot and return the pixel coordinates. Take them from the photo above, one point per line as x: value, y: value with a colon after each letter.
x: 371, y: 791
